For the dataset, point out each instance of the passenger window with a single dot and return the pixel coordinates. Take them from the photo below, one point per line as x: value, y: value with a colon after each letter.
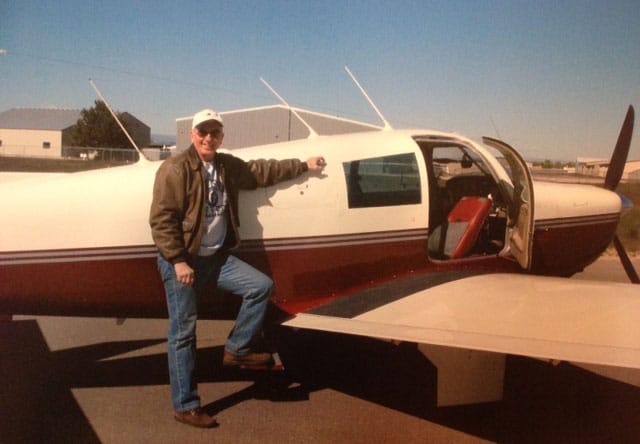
x: 383, y: 181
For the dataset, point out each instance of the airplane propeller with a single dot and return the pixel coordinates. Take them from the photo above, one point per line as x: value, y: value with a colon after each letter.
x: 620, y: 152
x: 614, y: 174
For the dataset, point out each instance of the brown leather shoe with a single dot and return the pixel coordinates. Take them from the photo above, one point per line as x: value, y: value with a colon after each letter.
x: 249, y: 360
x: 197, y: 418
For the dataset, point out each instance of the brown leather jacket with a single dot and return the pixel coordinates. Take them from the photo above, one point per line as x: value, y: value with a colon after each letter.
x: 178, y: 207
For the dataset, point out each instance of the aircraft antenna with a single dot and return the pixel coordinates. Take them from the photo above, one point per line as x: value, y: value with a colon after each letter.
x: 126, y: 133
x: 387, y: 125
x: 495, y: 128
x: 312, y: 132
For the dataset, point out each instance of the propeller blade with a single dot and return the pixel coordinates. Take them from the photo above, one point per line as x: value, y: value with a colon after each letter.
x: 620, y: 152
x: 626, y: 262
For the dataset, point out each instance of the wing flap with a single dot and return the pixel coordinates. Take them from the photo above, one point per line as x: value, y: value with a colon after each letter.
x: 550, y: 318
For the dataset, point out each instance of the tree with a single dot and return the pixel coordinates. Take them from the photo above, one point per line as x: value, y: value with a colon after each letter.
x: 96, y: 127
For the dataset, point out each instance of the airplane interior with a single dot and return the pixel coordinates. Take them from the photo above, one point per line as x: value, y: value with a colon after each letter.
x: 468, y: 209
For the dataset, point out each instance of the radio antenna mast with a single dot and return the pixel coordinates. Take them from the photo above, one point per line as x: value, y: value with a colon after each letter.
x: 312, y: 132
x: 126, y: 133
x: 387, y: 125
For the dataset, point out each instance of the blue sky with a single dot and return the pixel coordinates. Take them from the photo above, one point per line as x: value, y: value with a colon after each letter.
x: 552, y: 78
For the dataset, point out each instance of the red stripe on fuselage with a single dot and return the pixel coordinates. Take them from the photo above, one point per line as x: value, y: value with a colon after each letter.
x: 124, y: 281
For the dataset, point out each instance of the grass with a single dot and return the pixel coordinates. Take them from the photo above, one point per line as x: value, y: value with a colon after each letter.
x: 41, y: 164
x: 629, y: 226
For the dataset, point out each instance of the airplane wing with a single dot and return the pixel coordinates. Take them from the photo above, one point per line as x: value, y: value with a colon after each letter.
x: 551, y: 318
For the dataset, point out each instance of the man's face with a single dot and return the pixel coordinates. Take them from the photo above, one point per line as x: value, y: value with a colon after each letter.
x: 207, y: 138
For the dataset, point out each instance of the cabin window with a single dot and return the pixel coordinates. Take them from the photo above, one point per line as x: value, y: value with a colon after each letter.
x: 46, y: 145
x: 383, y: 181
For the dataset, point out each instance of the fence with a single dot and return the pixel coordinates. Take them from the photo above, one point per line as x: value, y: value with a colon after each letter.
x: 75, y: 152
x: 104, y: 154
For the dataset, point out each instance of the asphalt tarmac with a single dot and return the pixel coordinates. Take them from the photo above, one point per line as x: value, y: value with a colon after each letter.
x: 82, y: 380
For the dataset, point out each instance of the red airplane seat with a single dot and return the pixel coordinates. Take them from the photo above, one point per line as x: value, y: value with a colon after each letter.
x: 464, y: 224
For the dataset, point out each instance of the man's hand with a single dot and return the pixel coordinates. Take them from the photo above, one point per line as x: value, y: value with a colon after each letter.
x: 316, y: 164
x: 184, y: 273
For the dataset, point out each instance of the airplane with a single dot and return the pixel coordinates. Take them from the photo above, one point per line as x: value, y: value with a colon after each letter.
x: 414, y: 236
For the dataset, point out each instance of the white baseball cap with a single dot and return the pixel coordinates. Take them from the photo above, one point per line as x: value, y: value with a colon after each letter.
x: 204, y: 116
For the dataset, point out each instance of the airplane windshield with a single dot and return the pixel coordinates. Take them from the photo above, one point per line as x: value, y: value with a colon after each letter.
x: 461, y: 171
x: 458, y: 157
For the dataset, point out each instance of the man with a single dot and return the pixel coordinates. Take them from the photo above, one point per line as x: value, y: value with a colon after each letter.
x: 194, y: 223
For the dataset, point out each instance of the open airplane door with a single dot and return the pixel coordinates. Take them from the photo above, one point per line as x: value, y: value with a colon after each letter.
x: 520, y: 217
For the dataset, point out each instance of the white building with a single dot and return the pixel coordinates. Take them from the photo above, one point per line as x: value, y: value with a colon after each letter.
x: 42, y: 132
x: 35, y: 132
x: 588, y: 166
x: 632, y: 171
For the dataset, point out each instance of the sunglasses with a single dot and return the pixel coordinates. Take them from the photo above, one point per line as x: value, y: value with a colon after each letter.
x: 215, y: 133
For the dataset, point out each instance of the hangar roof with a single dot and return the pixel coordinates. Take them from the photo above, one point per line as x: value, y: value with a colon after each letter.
x: 39, y: 118
x: 271, y: 124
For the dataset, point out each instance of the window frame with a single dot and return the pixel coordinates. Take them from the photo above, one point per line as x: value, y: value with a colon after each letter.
x: 383, y: 181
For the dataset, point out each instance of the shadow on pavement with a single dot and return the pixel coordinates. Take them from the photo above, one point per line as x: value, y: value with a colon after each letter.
x: 543, y: 403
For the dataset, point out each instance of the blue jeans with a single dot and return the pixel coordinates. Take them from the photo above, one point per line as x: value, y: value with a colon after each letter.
x: 232, y: 275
